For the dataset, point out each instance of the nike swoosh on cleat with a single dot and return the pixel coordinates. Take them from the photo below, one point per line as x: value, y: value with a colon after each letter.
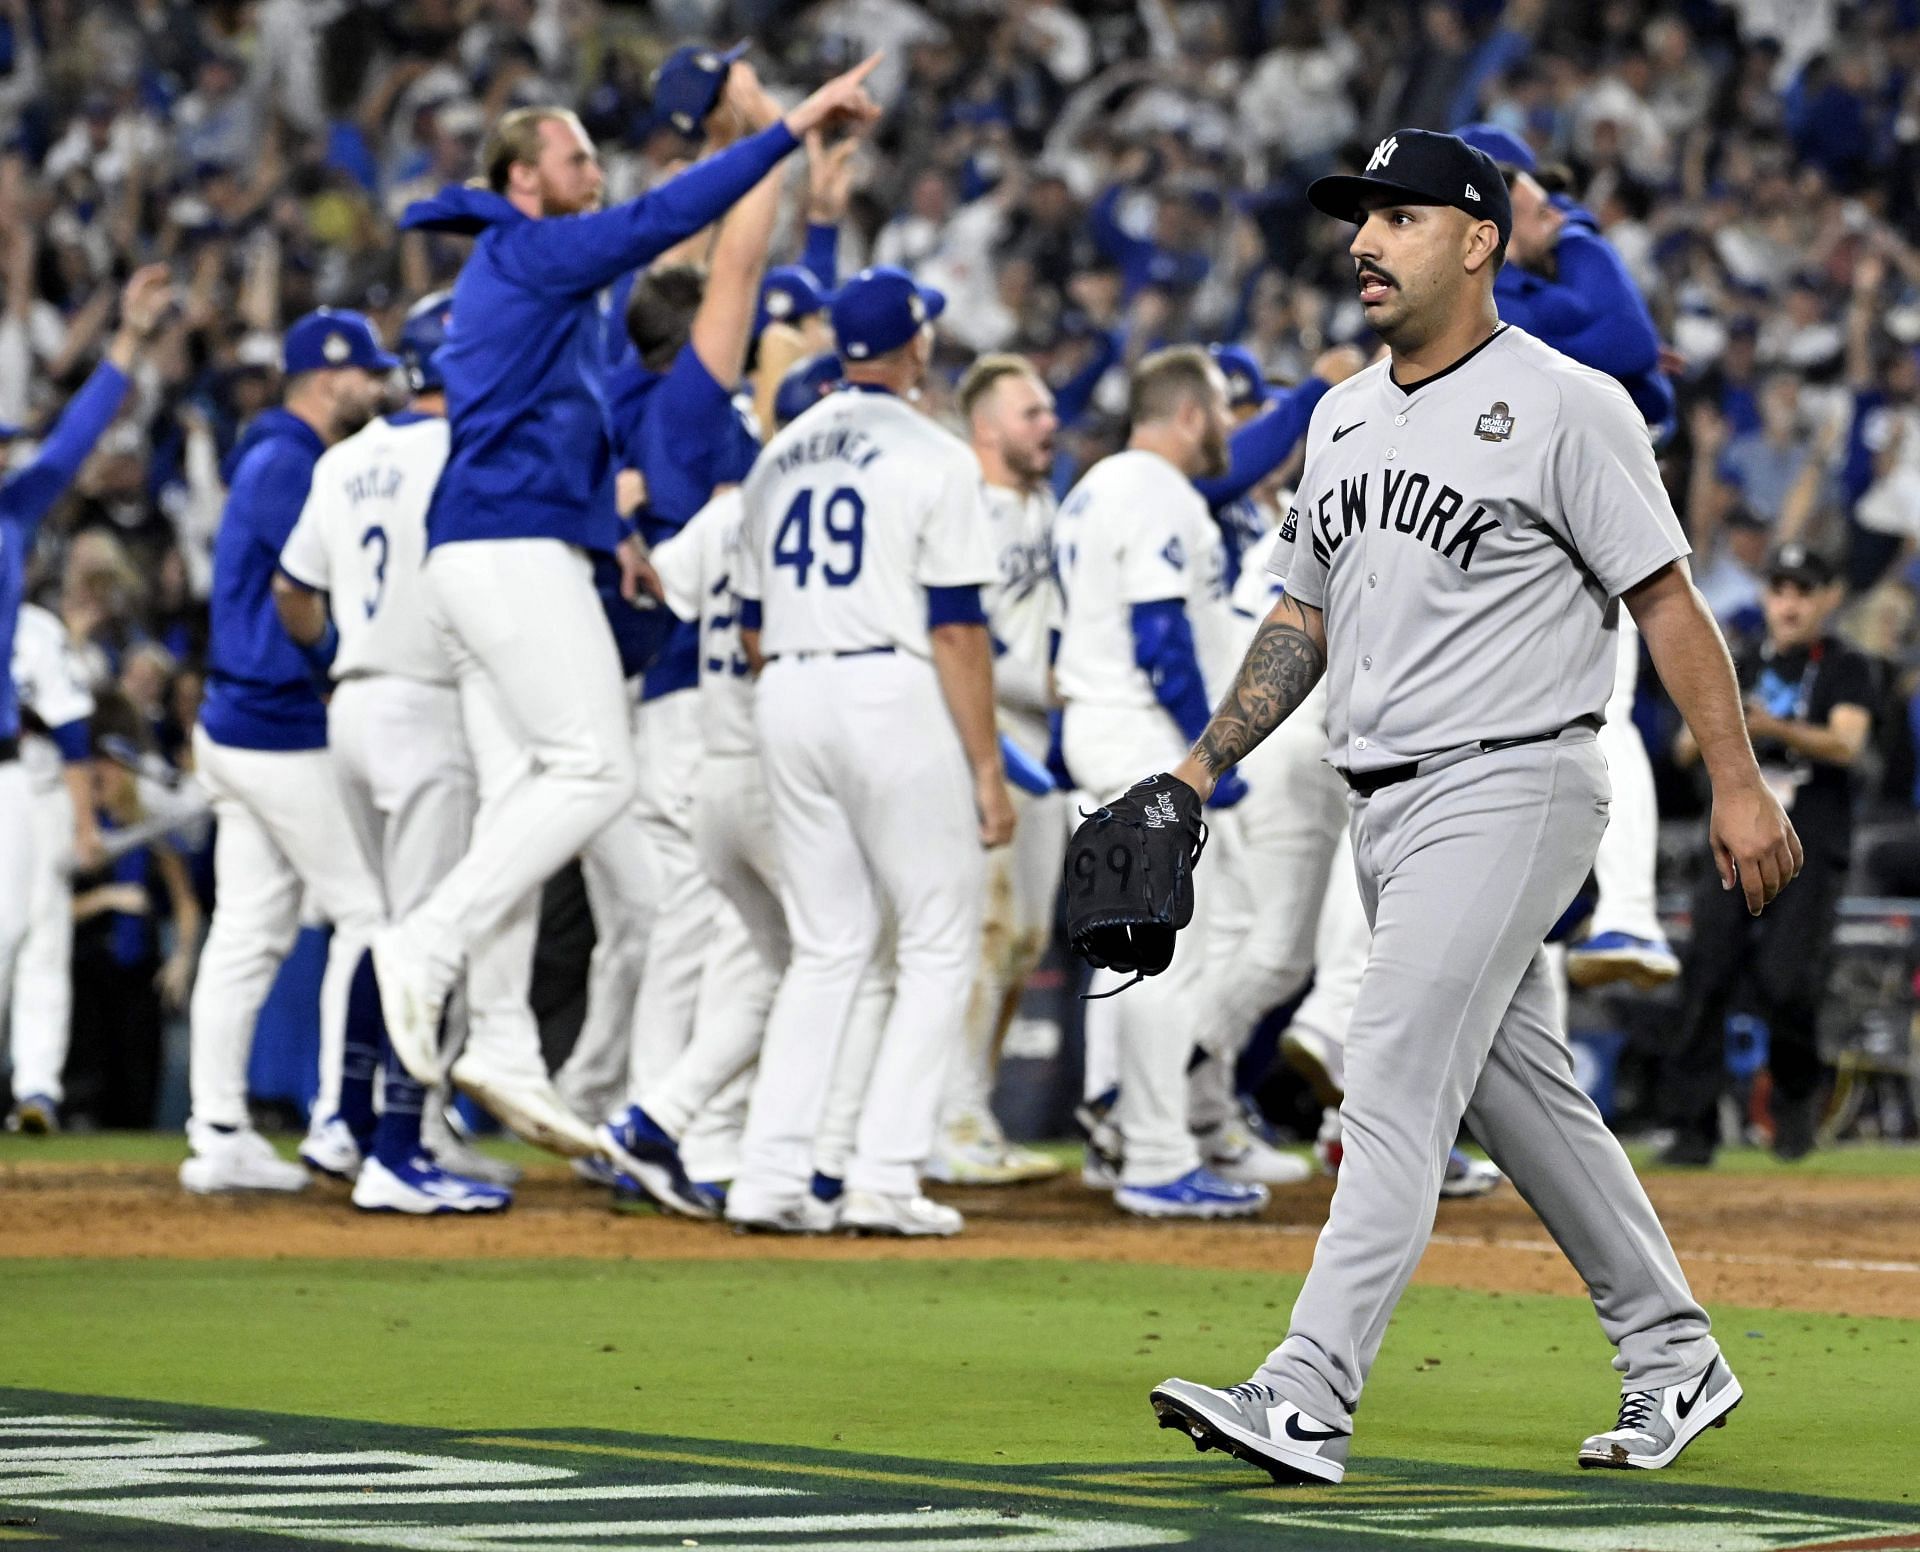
x: 1345, y: 429
x: 1307, y: 1435
x: 1684, y: 1404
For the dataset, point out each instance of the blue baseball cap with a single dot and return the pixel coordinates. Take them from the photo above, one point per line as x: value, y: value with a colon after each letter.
x: 879, y: 310
x: 329, y: 338
x: 689, y: 83
x: 1246, y: 383
x: 1503, y: 145
x: 421, y: 337
x: 805, y: 386
x: 789, y: 293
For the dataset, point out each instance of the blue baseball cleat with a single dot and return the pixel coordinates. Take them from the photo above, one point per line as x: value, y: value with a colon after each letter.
x: 1619, y: 956
x: 641, y: 1149
x: 1197, y: 1194
x: 418, y: 1186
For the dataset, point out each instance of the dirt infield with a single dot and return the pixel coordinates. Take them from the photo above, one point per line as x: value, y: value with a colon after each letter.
x: 1824, y: 1244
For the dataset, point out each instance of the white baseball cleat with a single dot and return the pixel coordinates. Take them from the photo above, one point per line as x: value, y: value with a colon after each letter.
x: 332, y: 1149
x: 1468, y: 1176
x: 1656, y: 1425
x: 453, y: 1153
x: 905, y: 1217
x: 411, y: 1003
x: 421, y: 1188
x: 1254, y: 1423
x: 971, y: 1150
x: 1235, y: 1151
x: 757, y: 1214
x: 237, y: 1160
x: 527, y: 1103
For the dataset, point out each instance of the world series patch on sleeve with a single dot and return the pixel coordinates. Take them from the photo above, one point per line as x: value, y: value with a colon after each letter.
x: 1130, y: 876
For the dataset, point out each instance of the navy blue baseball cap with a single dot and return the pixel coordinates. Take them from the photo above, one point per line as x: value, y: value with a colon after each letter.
x: 805, y: 386
x: 879, y: 310
x: 1246, y: 383
x: 421, y: 337
x: 789, y: 293
x: 329, y: 338
x: 1421, y: 168
x: 689, y: 83
x: 1503, y: 145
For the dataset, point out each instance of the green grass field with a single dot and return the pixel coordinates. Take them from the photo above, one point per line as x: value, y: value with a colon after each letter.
x: 991, y: 1375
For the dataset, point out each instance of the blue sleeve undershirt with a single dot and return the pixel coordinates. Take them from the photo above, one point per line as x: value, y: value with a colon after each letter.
x: 954, y: 606
x: 29, y: 495
x: 1263, y: 443
x: 1163, y: 647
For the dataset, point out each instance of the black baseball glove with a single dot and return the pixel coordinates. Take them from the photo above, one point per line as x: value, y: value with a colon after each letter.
x: 1130, y: 876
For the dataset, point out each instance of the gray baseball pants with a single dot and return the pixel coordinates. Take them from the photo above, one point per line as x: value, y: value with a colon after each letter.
x: 1463, y: 870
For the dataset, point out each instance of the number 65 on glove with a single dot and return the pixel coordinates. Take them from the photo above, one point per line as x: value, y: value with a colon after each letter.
x: 1130, y: 876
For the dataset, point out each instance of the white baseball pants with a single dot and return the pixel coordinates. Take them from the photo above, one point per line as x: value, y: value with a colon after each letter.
x: 283, y: 829
x: 1629, y: 850
x: 873, y: 815
x: 17, y: 849
x: 1156, y: 1023
x: 42, y: 1007
x: 522, y: 616
x: 1023, y: 883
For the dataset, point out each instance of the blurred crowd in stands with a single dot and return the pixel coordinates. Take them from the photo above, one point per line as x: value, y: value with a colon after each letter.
x: 1085, y: 181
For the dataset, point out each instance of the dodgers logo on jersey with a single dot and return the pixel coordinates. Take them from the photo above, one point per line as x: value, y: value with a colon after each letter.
x: 1496, y: 425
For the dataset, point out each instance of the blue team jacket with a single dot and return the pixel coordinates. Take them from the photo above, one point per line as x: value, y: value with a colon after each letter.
x: 525, y: 357
x: 1591, y: 310
x: 26, y: 497
x: 260, y: 689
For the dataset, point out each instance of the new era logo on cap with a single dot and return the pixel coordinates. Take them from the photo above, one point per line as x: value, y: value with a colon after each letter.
x: 1472, y: 192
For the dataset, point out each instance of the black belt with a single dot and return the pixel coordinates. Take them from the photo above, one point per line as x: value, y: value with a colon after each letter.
x: 801, y: 657
x: 1366, y: 783
x: 9, y: 750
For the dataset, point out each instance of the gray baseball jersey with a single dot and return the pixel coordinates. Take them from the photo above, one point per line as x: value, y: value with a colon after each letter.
x: 1467, y: 539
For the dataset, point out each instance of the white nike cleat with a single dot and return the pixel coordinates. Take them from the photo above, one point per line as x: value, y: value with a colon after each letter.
x: 332, y: 1149
x: 527, y: 1103
x: 239, y: 1160
x: 1254, y: 1423
x: 903, y: 1217
x: 411, y: 1003
x: 1656, y: 1425
x: 972, y: 1151
x: 756, y: 1214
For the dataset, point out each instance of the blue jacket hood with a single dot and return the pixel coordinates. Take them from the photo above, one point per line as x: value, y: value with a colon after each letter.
x: 269, y: 425
x: 461, y: 210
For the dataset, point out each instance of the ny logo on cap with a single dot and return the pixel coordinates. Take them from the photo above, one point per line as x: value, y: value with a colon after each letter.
x: 1383, y: 152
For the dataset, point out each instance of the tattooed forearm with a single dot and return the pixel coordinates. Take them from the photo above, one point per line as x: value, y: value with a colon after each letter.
x: 1285, y: 662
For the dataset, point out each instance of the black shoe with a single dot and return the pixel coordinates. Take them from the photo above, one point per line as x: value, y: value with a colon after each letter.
x: 1688, y: 1150
x: 1792, y: 1130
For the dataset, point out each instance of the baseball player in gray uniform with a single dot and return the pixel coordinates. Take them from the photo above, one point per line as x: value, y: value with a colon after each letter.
x: 1473, y: 513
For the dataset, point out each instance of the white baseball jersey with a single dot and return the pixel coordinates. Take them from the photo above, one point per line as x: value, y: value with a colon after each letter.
x: 1135, y: 531
x: 1023, y: 610
x: 696, y: 570
x: 52, y: 683
x: 361, y: 538
x: 852, y: 513
x: 1466, y: 538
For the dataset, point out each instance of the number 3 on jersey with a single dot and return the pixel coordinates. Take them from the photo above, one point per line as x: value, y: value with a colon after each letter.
x: 843, y: 520
x: 375, y: 538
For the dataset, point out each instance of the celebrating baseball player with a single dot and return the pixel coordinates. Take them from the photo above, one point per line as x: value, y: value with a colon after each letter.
x: 1141, y: 567
x: 526, y: 499
x: 43, y: 814
x: 351, y: 567
x: 1473, y: 513
x: 865, y: 552
x: 261, y: 752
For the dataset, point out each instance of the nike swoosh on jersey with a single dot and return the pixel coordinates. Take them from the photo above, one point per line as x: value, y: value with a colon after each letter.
x: 1682, y: 1405
x: 1308, y: 1435
x: 1345, y: 429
